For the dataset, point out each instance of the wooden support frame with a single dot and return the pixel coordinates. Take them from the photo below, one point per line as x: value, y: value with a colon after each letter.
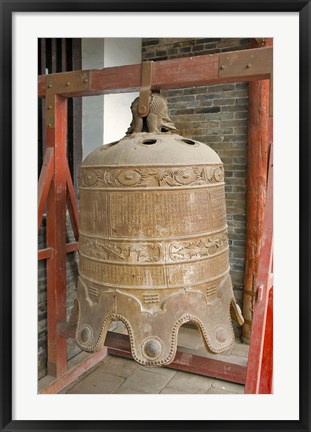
x: 176, y: 73
x: 57, y: 190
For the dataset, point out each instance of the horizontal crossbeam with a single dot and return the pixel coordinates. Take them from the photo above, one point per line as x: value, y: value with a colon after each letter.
x: 246, y: 65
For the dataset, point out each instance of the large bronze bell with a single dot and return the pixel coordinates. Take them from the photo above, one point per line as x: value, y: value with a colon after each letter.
x: 153, y: 241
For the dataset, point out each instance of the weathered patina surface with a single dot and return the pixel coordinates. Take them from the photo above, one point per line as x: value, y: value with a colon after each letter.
x: 153, y: 242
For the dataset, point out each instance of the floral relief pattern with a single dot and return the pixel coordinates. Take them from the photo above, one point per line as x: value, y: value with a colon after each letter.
x: 150, y: 177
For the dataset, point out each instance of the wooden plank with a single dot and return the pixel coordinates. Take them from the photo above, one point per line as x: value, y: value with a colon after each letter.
x: 175, y: 73
x: 254, y: 367
x: 257, y: 163
x: 56, y: 239
x: 45, y: 253
x: 265, y: 385
x: 185, y: 72
x: 45, y: 180
x: 208, y: 367
x: 84, y: 362
x: 72, y: 247
x: 118, y: 344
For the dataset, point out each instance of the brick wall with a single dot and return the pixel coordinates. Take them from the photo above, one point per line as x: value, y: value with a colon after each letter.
x: 216, y: 115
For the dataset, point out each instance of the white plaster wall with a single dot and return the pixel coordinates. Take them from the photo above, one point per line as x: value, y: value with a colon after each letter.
x: 107, y: 118
x: 92, y: 106
x: 117, y: 113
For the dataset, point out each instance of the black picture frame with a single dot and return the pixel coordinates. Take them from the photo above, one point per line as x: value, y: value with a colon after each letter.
x: 8, y: 7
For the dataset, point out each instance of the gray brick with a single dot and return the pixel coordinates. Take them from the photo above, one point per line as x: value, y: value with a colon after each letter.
x: 198, y: 48
x: 234, y: 108
x: 208, y: 40
x: 209, y: 96
x: 242, y: 101
x: 207, y: 110
x: 241, y: 115
x: 224, y: 102
x: 220, y: 87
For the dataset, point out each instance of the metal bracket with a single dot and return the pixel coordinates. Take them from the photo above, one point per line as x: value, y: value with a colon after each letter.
x: 64, y: 84
x: 240, y: 64
x: 145, y: 90
x: 246, y: 63
x: 261, y: 41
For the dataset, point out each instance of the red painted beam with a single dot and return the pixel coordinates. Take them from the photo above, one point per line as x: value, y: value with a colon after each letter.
x: 72, y: 204
x: 48, y: 252
x: 45, y: 180
x: 56, y: 239
x: 175, y: 73
x: 45, y: 253
x: 72, y: 247
x: 209, y: 367
x: 255, y: 371
x: 265, y: 385
x: 259, y: 140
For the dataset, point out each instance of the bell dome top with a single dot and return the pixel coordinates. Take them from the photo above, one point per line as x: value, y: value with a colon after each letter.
x: 152, y: 140
x: 145, y: 148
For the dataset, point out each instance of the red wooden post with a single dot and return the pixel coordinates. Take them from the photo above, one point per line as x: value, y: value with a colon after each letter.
x: 257, y: 162
x: 265, y: 385
x: 72, y: 204
x: 56, y: 135
x: 259, y: 367
x: 45, y: 179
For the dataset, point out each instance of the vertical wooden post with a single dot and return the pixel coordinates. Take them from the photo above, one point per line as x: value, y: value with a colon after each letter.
x: 259, y: 366
x: 56, y: 137
x: 259, y: 130
x: 265, y: 385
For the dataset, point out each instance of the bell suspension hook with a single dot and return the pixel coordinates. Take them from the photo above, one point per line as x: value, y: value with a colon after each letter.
x: 145, y: 89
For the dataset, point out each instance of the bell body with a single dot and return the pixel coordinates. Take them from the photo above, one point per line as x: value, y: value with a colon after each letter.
x: 154, y: 245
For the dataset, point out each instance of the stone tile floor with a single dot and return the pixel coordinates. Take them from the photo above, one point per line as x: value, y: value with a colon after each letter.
x: 119, y: 375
